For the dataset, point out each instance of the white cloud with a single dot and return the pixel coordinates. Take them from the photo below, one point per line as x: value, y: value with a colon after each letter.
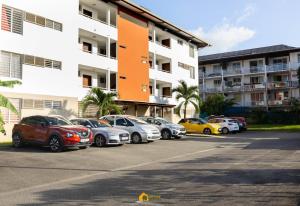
x: 227, y: 35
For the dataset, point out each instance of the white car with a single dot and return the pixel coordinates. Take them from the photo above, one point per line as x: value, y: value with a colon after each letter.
x: 228, y: 125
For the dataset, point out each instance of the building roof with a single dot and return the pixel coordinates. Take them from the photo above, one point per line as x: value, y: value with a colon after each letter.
x: 161, y: 22
x: 247, y: 53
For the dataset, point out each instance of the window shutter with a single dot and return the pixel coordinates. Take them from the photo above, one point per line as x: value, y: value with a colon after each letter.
x: 40, y: 20
x: 48, y: 104
x: 38, y: 104
x: 29, y: 59
x: 16, y: 66
x: 5, y: 64
x: 30, y: 17
x: 57, y: 105
x: 56, y: 65
x: 39, y: 61
x: 49, y: 23
x: 48, y: 63
x: 6, y: 18
x: 57, y: 26
x: 27, y: 103
x: 17, y: 21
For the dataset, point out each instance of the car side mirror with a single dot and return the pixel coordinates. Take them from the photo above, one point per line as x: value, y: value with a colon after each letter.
x: 88, y: 126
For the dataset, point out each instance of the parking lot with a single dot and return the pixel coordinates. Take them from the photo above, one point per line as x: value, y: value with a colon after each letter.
x: 252, y: 168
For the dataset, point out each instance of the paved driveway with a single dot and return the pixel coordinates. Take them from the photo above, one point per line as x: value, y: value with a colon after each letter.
x: 244, y: 169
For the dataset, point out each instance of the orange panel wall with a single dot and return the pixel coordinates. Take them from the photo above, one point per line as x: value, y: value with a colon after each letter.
x: 133, y: 69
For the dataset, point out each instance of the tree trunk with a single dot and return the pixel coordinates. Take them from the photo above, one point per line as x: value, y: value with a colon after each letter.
x: 184, y: 111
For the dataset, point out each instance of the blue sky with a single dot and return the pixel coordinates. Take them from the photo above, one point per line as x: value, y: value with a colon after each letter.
x: 233, y: 24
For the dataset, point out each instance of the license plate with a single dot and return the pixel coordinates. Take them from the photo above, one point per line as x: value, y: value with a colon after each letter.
x: 84, y: 140
x: 124, y: 138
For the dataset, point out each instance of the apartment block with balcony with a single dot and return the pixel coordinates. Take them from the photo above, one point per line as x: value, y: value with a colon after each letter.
x: 59, y: 50
x: 263, y: 77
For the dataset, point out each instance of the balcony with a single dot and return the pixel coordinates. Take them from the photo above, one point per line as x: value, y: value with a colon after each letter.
x: 98, y: 11
x: 163, y: 64
x: 160, y: 92
x: 258, y: 69
x: 254, y: 87
x: 89, y: 77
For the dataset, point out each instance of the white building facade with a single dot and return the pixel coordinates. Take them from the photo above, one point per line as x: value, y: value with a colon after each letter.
x: 263, y: 77
x: 60, y: 49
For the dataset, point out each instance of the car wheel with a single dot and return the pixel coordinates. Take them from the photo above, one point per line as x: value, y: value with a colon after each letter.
x: 166, y: 134
x: 207, y: 131
x: 225, y: 130
x: 55, y: 144
x: 136, y: 138
x: 17, y: 140
x: 100, y: 141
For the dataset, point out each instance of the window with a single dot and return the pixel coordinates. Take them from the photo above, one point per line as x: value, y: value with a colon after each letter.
x: 42, y: 21
x: 121, y: 122
x: 217, y: 68
x: 48, y: 104
x: 57, y: 105
x: 11, y: 65
x: 87, y: 13
x: 8, y: 116
x: 27, y: 103
x: 12, y: 20
x: 110, y: 120
x: 217, y: 82
x: 87, y: 47
x: 257, y: 97
x: 192, y: 72
x: 38, y: 104
x: 41, y: 62
x: 236, y: 65
x: 298, y: 58
x: 86, y: 80
x: 180, y: 42
x: 191, y: 51
x: 166, y: 92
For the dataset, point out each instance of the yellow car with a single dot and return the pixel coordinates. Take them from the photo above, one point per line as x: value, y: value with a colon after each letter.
x: 196, y: 125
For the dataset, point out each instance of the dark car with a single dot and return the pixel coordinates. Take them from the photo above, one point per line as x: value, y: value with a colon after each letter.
x: 55, y: 132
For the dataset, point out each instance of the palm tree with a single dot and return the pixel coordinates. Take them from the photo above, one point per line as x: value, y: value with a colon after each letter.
x: 188, y: 95
x: 104, y: 102
x: 5, y: 103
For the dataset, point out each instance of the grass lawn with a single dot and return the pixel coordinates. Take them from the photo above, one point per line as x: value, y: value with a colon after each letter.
x: 274, y: 127
x: 5, y: 144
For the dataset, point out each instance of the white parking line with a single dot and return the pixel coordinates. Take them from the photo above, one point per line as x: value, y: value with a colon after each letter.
x: 206, y: 135
x: 106, y: 172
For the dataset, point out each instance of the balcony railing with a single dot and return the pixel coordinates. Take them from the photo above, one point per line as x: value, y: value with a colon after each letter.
x: 214, y: 74
x: 259, y: 69
x: 252, y: 87
x: 96, y: 19
x: 232, y: 88
x: 231, y: 71
x: 283, y: 84
x: 255, y: 103
x: 213, y: 90
x: 277, y: 67
x: 278, y: 102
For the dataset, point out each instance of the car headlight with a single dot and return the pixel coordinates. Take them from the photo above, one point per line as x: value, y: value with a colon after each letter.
x: 69, y: 135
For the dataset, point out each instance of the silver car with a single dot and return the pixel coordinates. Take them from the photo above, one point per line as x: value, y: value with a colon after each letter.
x: 104, y: 134
x: 167, y: 128
x: 139, y: 130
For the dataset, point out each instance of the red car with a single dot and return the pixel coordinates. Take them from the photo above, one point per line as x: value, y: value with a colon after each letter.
x: 242, y: 122
x: 55, y: 132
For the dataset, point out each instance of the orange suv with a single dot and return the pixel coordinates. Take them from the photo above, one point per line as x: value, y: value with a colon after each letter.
x: 55, y: 132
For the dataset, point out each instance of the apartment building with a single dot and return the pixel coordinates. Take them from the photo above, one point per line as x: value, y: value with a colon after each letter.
x: 263, y: 77
x: 60, y: 49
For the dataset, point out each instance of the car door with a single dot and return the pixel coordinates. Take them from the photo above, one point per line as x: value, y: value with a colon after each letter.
x: 197, y: 126
x: 187, y: 124
x: 40, y: 130
x: 26, y: 129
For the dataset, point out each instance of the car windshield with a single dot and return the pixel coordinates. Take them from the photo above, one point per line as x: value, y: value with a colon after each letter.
x: 136, y: 120
x: 58, y: 121
x: 97, y: 124
x: 203, y: 121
